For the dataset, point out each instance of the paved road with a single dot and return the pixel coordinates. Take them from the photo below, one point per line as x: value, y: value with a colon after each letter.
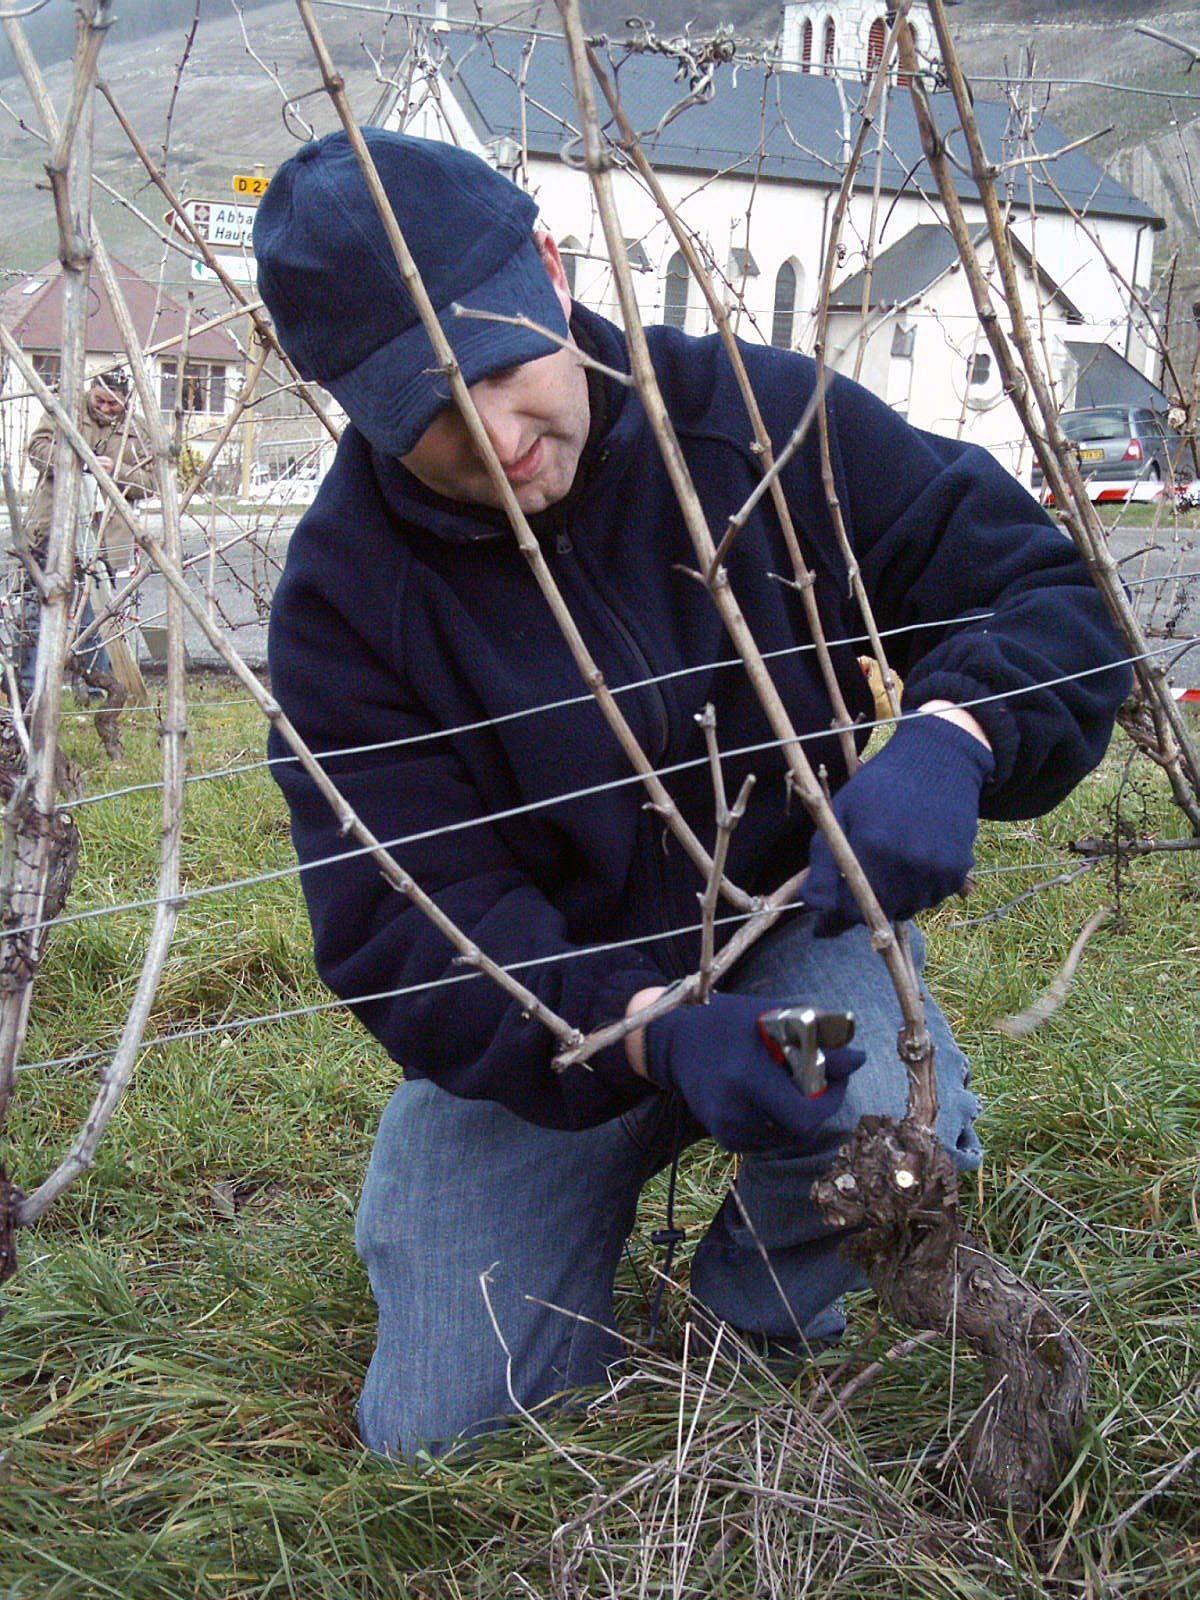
x: 243, y: 580
x: 235, y: 584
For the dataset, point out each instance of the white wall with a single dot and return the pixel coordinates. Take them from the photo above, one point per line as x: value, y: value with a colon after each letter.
x: 1074, y: 254
x: 783, y: 221
x: 946, y: 336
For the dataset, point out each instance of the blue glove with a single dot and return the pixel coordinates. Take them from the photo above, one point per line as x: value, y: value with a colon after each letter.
x: 733, y: 1085
x: 910, y: 814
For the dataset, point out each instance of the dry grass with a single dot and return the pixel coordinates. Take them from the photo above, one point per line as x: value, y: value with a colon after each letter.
x: 182, y: 1346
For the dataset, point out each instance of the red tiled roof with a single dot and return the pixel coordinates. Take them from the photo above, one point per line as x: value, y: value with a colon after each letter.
x: 32, y: 311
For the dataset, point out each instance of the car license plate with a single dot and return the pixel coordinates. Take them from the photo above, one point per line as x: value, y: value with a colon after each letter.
x: 1091, y: 455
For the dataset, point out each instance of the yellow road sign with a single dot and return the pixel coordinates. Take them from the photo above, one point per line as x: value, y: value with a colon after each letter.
x: 250, y: 183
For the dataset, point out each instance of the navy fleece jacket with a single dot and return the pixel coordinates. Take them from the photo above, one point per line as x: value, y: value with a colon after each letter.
x: 412, y: 624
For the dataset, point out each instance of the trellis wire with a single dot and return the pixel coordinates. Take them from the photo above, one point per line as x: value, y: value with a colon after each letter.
x: 525, y: 711
x: 318, y: 1007
x: 530, y: 807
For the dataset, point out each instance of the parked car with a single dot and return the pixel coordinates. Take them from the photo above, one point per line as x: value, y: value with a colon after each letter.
x: 1123, y: 443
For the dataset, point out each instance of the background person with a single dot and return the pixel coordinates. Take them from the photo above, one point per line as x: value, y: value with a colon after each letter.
x: 119, y: 441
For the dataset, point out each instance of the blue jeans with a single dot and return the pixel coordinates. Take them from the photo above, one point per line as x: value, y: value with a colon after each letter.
x: 94, y: 657
x: 462, y: 1190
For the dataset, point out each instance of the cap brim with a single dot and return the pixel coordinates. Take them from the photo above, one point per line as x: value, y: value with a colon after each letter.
x: 394, y: 394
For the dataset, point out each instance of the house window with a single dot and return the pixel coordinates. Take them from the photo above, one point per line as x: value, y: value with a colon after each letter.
x: 675, y: 298
x: 875, y: 44
x: 191, y: 394
x: 830, y: 44
x: 569, y: 250
x: 783, y: 319
x: 979, y: 368
x: 806, y: 44
x: 48, y: 366
x: 900, y: 368
x: 202, y: 388
x: 635, y: 254
x: 741, y: 264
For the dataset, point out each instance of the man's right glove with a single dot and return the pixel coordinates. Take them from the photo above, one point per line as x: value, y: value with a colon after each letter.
x: 716, y: 1057
x: 910, y: 814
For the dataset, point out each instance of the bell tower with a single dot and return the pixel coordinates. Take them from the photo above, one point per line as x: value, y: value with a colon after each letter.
x: 844, y: 36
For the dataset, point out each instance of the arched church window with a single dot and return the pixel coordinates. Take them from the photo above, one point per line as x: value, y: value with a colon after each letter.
x: 875, y: 44
x: 783, y: 317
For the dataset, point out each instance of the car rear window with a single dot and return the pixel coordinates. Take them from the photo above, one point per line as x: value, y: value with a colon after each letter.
x: 1096, y: 425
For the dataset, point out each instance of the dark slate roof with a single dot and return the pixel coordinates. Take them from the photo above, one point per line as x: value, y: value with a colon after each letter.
x: 32, y: 311
x: 794, y: 119
x: 916, y: 261
x: 1107, y: 379
x: 901, y: 272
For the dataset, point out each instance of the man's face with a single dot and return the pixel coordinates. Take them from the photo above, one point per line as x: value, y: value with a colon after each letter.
x: 537, y: 417
x: 107, y: 403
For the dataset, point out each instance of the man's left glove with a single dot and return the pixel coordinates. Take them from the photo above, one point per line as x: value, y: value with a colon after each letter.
x: 718, y: 1058
x: 911, y: 814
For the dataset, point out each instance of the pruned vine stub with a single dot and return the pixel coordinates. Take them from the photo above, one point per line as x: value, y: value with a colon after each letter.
x: 894, y: 1192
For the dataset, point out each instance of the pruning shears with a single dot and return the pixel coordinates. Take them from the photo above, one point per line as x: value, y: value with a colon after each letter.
x: 798, y: 1037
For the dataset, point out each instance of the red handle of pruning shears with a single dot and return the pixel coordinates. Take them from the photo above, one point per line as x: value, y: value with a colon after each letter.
x: 798, y: 1037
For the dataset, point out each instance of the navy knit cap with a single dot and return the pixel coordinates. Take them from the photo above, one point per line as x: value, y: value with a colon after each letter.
x: 330, y: 281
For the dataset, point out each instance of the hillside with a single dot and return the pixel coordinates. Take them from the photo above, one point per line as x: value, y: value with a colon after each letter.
x: 228, y: 116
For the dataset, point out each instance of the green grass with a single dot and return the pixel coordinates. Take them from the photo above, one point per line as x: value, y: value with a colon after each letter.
x: 183, y: 1343
x: 1161, y: 517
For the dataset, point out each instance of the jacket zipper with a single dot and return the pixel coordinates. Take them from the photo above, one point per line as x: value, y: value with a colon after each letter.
x: 564, y: 548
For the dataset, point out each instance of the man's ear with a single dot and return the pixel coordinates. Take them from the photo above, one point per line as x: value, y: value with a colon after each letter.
x: 548, y: 251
